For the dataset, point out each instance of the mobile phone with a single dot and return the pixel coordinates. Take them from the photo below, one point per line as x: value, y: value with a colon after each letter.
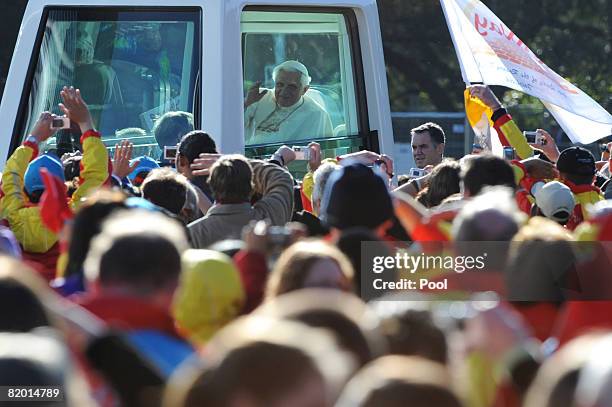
x: 60, y: 123
x: 509, y: 153
x: 170, y: 152
x: 301, y: 153
x: 417, y: 172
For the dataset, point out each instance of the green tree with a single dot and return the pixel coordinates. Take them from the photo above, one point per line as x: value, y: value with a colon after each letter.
x: 573, y: 37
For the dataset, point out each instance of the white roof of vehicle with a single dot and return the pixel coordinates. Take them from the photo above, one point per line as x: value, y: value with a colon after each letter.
x: 228, y: 4
x: 221, y: 53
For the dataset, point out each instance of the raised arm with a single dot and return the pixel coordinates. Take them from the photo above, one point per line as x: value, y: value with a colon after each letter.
x: 94, y: 171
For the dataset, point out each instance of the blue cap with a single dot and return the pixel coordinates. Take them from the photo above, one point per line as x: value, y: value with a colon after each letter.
x: 32, y: 179
x: 136, y: 202
x: 145, y: 164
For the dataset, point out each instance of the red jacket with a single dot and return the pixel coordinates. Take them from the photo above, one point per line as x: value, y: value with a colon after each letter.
x: 254, y: 275
x: 128, y: 313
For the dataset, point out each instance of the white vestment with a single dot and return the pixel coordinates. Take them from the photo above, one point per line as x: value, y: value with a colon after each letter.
x: 266, y: 122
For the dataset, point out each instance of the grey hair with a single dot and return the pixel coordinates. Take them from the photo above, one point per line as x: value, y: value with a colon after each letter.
x: 293, y: 66
x: 320, y: 178
x: 498, y: 201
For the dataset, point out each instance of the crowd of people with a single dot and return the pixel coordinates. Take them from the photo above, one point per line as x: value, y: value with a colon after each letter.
x: 217, y: 280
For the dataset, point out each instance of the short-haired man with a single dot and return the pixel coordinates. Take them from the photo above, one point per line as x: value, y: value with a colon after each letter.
x: 171, y: 127
x: 233, y: 180
x: 165, y: 188
x: 486, y: 170
x: 191, y: 146
x: 134, y: 265
x: 427, y: 144
x: 287, y: 113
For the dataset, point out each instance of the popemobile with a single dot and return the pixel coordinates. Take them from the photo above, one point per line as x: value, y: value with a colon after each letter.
x: 255, y: 74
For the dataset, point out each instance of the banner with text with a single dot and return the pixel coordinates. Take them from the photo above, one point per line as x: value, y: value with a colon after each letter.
x: 490, y: 53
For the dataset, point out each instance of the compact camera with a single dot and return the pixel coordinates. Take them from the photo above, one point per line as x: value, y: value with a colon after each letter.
x: 170, y: 152
x: 534, y: 137
x: 60, y: 123
x: 417, y: 173
x: 301, y: 153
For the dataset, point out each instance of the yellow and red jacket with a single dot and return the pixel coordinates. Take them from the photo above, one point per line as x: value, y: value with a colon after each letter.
x: 23, y: 218
x: 510, y: 135
x: 308, y: 186
x: 584, y: 195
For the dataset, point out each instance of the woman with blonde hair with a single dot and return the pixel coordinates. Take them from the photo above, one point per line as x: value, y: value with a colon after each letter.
x: 310, y: 264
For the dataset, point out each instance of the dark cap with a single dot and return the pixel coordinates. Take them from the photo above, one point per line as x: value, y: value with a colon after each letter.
x: 576, y: 160
x: 356, y: 196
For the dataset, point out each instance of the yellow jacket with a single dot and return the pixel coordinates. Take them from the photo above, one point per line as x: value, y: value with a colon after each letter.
x: 23, y: 218
x: 510, y: 135
x: 308, y: 180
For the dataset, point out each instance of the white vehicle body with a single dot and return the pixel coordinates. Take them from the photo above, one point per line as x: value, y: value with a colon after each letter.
x: 219, y: 99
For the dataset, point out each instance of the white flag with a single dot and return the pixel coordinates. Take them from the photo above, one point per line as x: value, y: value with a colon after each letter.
x: 490, y: 53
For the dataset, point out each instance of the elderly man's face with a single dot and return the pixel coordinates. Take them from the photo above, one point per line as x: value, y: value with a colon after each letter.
x: 288, y: 89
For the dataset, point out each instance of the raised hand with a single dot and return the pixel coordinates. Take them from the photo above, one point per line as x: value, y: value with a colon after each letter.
x: 254, y: 95
x: 363, y: 156
x: 202, y: 164
x: 315, y: 156
x: 540, y: 169
x: 122, y: 157
x: 486, y: 95
x: 388, y: 163
x: 42, y: 129
x: 75, y: 108
x: 549, y: 147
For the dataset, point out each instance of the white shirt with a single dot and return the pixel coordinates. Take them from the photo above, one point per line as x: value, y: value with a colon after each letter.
x: 266, y: 122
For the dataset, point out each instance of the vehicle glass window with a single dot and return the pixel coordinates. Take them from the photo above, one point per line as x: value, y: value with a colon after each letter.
x: 287, y: 111
x: 132, y: 67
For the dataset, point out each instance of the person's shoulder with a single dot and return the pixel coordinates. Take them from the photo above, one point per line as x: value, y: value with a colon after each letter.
x: 312, y: 105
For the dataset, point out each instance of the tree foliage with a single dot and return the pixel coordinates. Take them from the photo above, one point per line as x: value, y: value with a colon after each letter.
x: 573, y: 37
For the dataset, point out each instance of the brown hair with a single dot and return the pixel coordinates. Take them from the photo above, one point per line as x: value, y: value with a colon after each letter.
x: 261, y: 360
x: 397, y: 381
x: 166, y: 188
x: 23, y: 295
x: 295, y: 263
x: 231, y: 179
x: 435, y: 132
x: 354, y: 325
x: 414, y: 333
x: 444, y: 181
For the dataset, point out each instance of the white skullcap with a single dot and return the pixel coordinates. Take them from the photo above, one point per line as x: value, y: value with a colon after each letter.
x: 293, y: 66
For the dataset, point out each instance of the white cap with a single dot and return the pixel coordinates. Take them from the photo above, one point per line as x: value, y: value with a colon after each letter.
x: 555, y: 200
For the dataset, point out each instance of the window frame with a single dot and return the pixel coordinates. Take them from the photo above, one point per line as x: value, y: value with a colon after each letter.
x: 361, y: 103
x: 20, y: 119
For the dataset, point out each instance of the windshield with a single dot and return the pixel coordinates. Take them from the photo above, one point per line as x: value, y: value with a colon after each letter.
x: 299, y: 81
x: 132, y: 67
